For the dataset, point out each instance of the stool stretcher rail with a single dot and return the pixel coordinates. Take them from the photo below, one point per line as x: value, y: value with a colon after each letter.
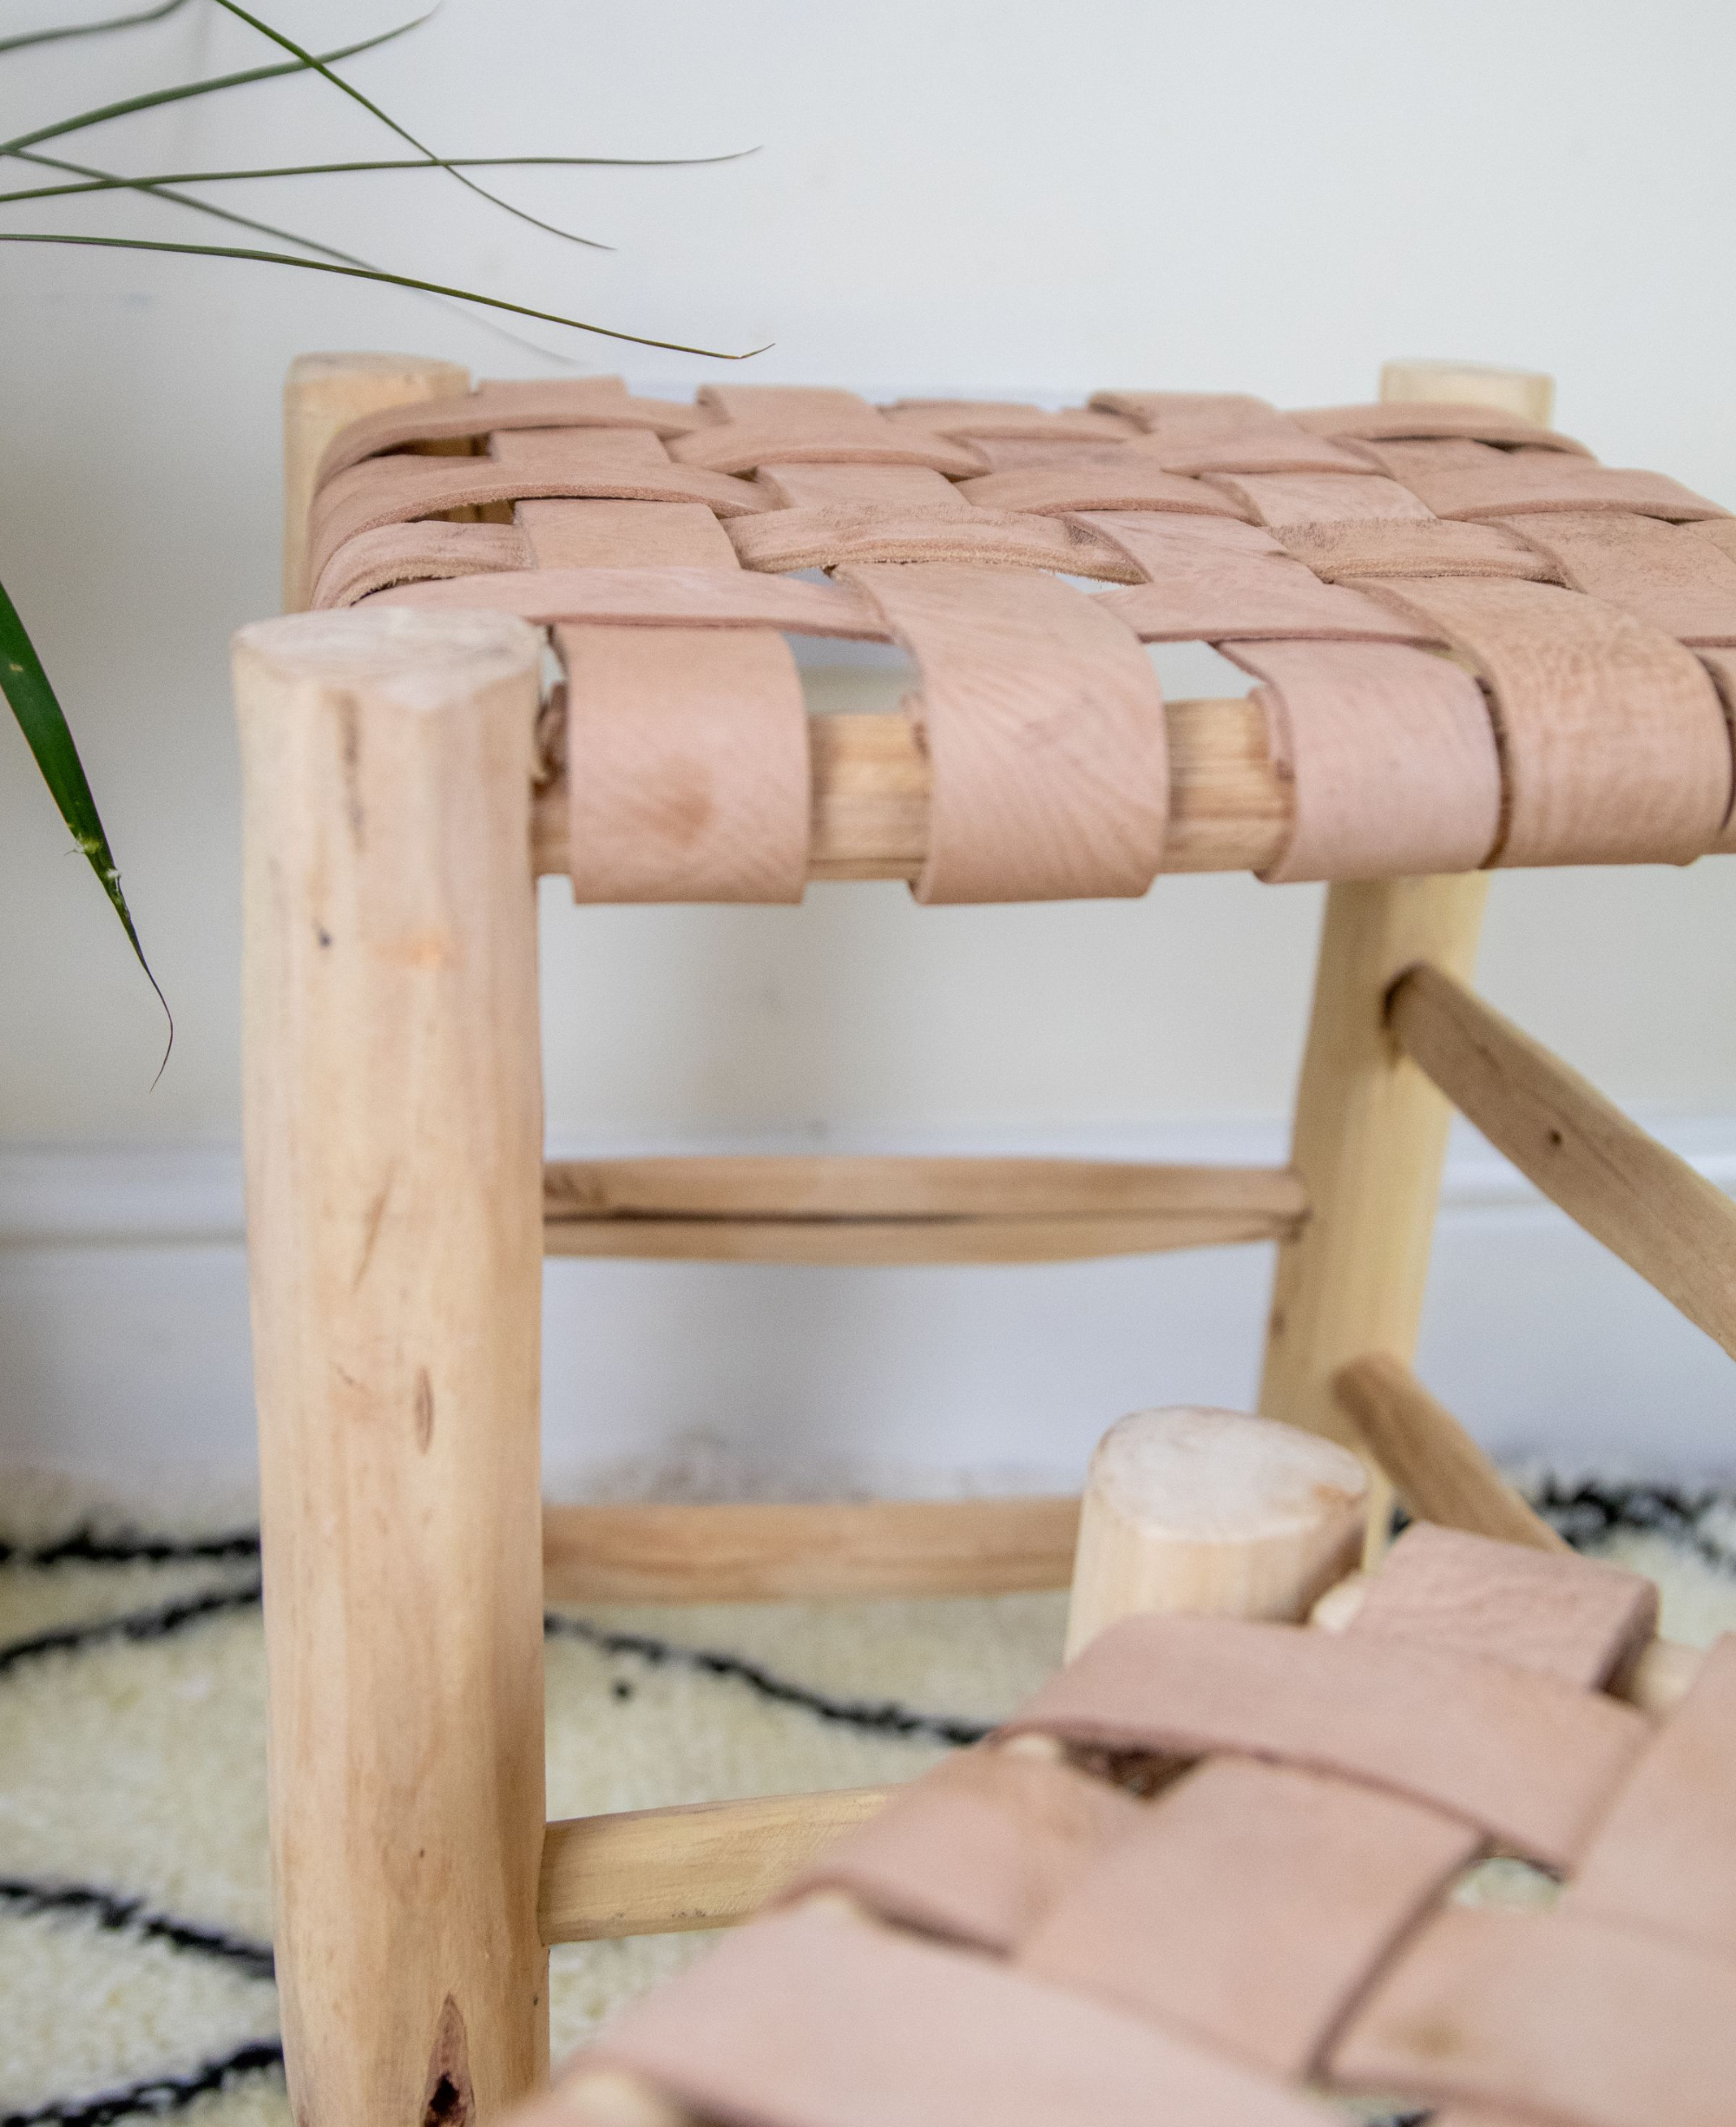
x: 1229, y: 804
x: 859, y: 1210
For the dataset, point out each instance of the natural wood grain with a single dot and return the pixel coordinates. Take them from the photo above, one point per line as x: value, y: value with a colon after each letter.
x: 1641, y: 1201
x: 324, y: 393
x: 1211, y: 1513
x: 790, y: 1551
x: 1656, y: 1682
x: 1529, y: 394
x: 665, y: 1872
x: 393, y: 1127
x: 1437, y: 1469
x: 843, y: 1209
x: 1369, y: 1137
x: 1229, y: 809
x: 1369, y: 1131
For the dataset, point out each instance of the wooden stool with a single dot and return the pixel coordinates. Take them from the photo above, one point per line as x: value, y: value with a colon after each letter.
x: 1209, y: 1871
x: 1475, y: 646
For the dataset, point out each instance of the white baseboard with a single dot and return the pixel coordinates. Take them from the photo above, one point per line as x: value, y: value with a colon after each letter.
x: 123, y: 1338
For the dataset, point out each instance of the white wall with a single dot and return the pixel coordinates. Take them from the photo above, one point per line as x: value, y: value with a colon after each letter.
x: 1004, y: 198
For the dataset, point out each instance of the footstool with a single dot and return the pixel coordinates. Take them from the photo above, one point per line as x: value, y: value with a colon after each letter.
x: 1473, y: 647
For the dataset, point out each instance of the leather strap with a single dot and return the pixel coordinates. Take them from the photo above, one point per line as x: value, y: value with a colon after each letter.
x: 774, y: 425
x: 1199, y: 433
x: 1044, y: 728
x: 871, y: 2028
x: 1421, y: 419
x: 1666, y: 574
x: 1211, y: 580
x: 1249, y: 1905
x: 1614, y: 747
x: 1465, y: 479
x: 1531, y: 1761
x: 1552, y: 2016
x: 1390, y: 755
x: 978, y: 1850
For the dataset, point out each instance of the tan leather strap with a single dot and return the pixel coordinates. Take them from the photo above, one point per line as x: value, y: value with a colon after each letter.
x: 1390, y: 755
x: 686, y: 746
x: 1199, y: 431
x: 866, y: 2028
x: 1043, y: 726
x: 1613, y: 743
x: 1250, y: 1905
x: 978, y: 1850
x: 618, y: 463
x: 658, y: 597
x: 775, y: 424
x: 1420, y: 420
x: 1578, y: 1619
x: 1466, y: 479
x: 1666, y: 575
x: 985, y: 420
x: 1665, y: 1856
x: 1552, y: 2017
x: 565, y: 402
x: 1058, y: 478
x: 1532, y: 1761
x: 1211, y: 580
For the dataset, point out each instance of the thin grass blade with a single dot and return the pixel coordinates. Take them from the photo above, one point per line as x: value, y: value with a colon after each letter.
x: 90, y: 29
x: 151, y: 99
x: 155, y: 180
x: 42, y: 721
x: 377, y: 274
x: 158, y: 190
x: 289, y: 44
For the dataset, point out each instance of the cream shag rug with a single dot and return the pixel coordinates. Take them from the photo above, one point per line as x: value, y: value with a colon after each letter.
x: 134, y: 1906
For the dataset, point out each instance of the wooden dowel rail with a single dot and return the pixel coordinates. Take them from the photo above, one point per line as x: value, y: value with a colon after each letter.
x: 1436, y: 1468
x: 1186, y: 1510
x: 808, y: 1552
x: 667, y: 1872
x: 1639, y: 1199
x: 1229, y: 808
x: 841, y: 1209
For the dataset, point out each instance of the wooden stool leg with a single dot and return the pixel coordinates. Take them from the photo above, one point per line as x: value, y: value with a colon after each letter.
x: 324, y: 393
x: 1370, y: 1131
x: 393, y: 1125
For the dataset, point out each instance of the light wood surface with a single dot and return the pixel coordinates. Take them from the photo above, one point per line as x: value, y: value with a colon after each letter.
x: 1529, y: 392
x: 665, y: 1872
x: 759, y: 1553
x: 1656, y: 1682
x: 1209, y: 1512
x: 1229, y: 810
x: 845, y: 1210
x: 1640, y: 1200
x: 324, y: 393
x: 1436, y: 1467
x: 1370, y: 1135
x: 394, y: 1126
x: 1371, y: 1132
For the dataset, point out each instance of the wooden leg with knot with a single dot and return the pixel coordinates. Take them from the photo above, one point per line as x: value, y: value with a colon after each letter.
x: 1370, y: 1131
x: 393, y: 1123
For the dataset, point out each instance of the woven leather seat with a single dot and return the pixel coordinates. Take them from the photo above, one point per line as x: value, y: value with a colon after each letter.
x: 1474, y: 644
x: 1471, y: 646
x: 1024, y: 1943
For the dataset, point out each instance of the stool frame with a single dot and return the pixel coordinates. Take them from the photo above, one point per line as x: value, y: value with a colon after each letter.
x: 397, y: 811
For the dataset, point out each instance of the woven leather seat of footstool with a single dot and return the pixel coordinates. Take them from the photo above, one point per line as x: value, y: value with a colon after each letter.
x: 1471, y: 647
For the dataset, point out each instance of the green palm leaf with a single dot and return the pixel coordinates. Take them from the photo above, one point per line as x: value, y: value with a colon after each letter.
x: 44, y: 726
x: 22, y: 679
